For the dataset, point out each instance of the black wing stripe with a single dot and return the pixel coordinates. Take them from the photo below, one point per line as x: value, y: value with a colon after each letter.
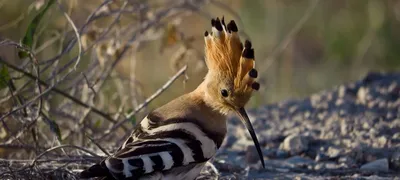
x: 208, y: 145
x: 138, y: 162
x: 158, y: 162
x: 116, y: 164
x: 177, y: 157
x: 142, y: 150
x: 190, y: 140
x: 155, y: 121
x: 155, y: 156
x: 148, y: 143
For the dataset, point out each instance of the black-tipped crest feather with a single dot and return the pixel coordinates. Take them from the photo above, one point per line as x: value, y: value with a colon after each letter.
x: 255, y: 86
x: 253, y: 73
x: 247, y: 44
x: 218, y: 25
x: 248, y: 53
x: 232, y: 26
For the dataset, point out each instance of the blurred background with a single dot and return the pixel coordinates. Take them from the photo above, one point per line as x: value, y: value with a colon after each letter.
x: 301, y: 47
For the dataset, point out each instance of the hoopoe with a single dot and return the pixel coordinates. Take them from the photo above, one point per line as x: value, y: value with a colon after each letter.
x: 175, y: 140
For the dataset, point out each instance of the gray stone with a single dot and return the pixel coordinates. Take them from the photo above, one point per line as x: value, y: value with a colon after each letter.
x: 282, y: 154
x: 380, y: 165
x: 326, y: 166
x: 299, y: 161
x: 395, y: 160
x: 347, y: 160
x: 321, y: 157
x: 252, y: 155
x: 396, y: 136
x: 295, y: 144
x: 334, y: 152
x: 331, y: 165
x: 319, y: 167
x: 361, y: 95
x: 382, y: 141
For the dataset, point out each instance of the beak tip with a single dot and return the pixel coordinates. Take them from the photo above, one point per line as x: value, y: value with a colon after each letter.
x: 245, y: 119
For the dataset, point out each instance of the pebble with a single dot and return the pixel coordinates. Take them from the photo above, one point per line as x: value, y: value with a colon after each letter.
x: 252, y: 155
x: 361, y: 95
x: 334, y: 152
x: 347, y: 160
x: 298, y: 161
x: 295, y: 144
x: 396, y: 136
x: 281, y: 154
x: 395, y: 160
x: 382, y: 141
x: 380, y: 165
x: 321, y: 157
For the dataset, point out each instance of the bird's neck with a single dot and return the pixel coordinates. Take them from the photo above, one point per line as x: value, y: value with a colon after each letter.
x: 201, y: 93
x: 214, y: 118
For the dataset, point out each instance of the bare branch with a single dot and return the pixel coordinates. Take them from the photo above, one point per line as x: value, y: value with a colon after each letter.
x: 147, y: 101
x: 58, y: 91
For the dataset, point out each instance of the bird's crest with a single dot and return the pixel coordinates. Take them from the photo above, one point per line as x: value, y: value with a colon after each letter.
x: 225, y: 53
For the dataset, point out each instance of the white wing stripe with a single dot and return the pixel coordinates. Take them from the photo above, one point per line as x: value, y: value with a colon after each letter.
x: 127, y: 168
x: 148, y: 164
x: 207, y: 145
x: 187, y: 152
x: 167, y: 160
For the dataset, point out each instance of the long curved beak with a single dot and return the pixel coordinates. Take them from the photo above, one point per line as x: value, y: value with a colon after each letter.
x: 246, y: 121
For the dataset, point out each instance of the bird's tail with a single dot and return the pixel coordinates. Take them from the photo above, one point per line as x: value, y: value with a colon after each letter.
x: 97, y: 170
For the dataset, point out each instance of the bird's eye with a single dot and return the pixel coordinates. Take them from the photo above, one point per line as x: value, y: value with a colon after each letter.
x: 224, y: 93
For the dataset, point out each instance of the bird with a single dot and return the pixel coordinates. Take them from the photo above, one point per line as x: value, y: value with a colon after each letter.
x: 175, y: 140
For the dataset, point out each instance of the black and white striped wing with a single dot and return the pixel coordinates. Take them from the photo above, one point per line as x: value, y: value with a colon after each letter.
x: 144, y: 157
x: 161, y: 146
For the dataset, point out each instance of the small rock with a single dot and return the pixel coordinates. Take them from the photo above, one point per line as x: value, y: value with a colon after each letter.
x: 251, y: 155
x: 298, y: 161
x: 319, y: 166
x: 326, y: 165
x: 331, y: 165
x: 342, y: 91
x: 295, y: 144
x: 298, y: 178
x: 396, y: 136
x: 282, y: 154
x: 334, y: 152
x: 361, y: 95
x: 321, y: 157
x: 366, y: 125
x: 339, y: 102
x: 347, y: 160
x: 382, y: 141
x: 270, y: 153
x: 395, y: 160
x: 380, y: 165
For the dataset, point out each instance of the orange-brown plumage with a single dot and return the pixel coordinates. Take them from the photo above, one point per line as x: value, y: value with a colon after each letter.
x: 229, y: 64
x: 175, y: 140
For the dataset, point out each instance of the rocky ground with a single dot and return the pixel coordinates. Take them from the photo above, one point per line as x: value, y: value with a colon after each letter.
x: 351, y: 131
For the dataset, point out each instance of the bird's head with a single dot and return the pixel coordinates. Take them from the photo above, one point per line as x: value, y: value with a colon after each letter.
x: 230, y: 80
